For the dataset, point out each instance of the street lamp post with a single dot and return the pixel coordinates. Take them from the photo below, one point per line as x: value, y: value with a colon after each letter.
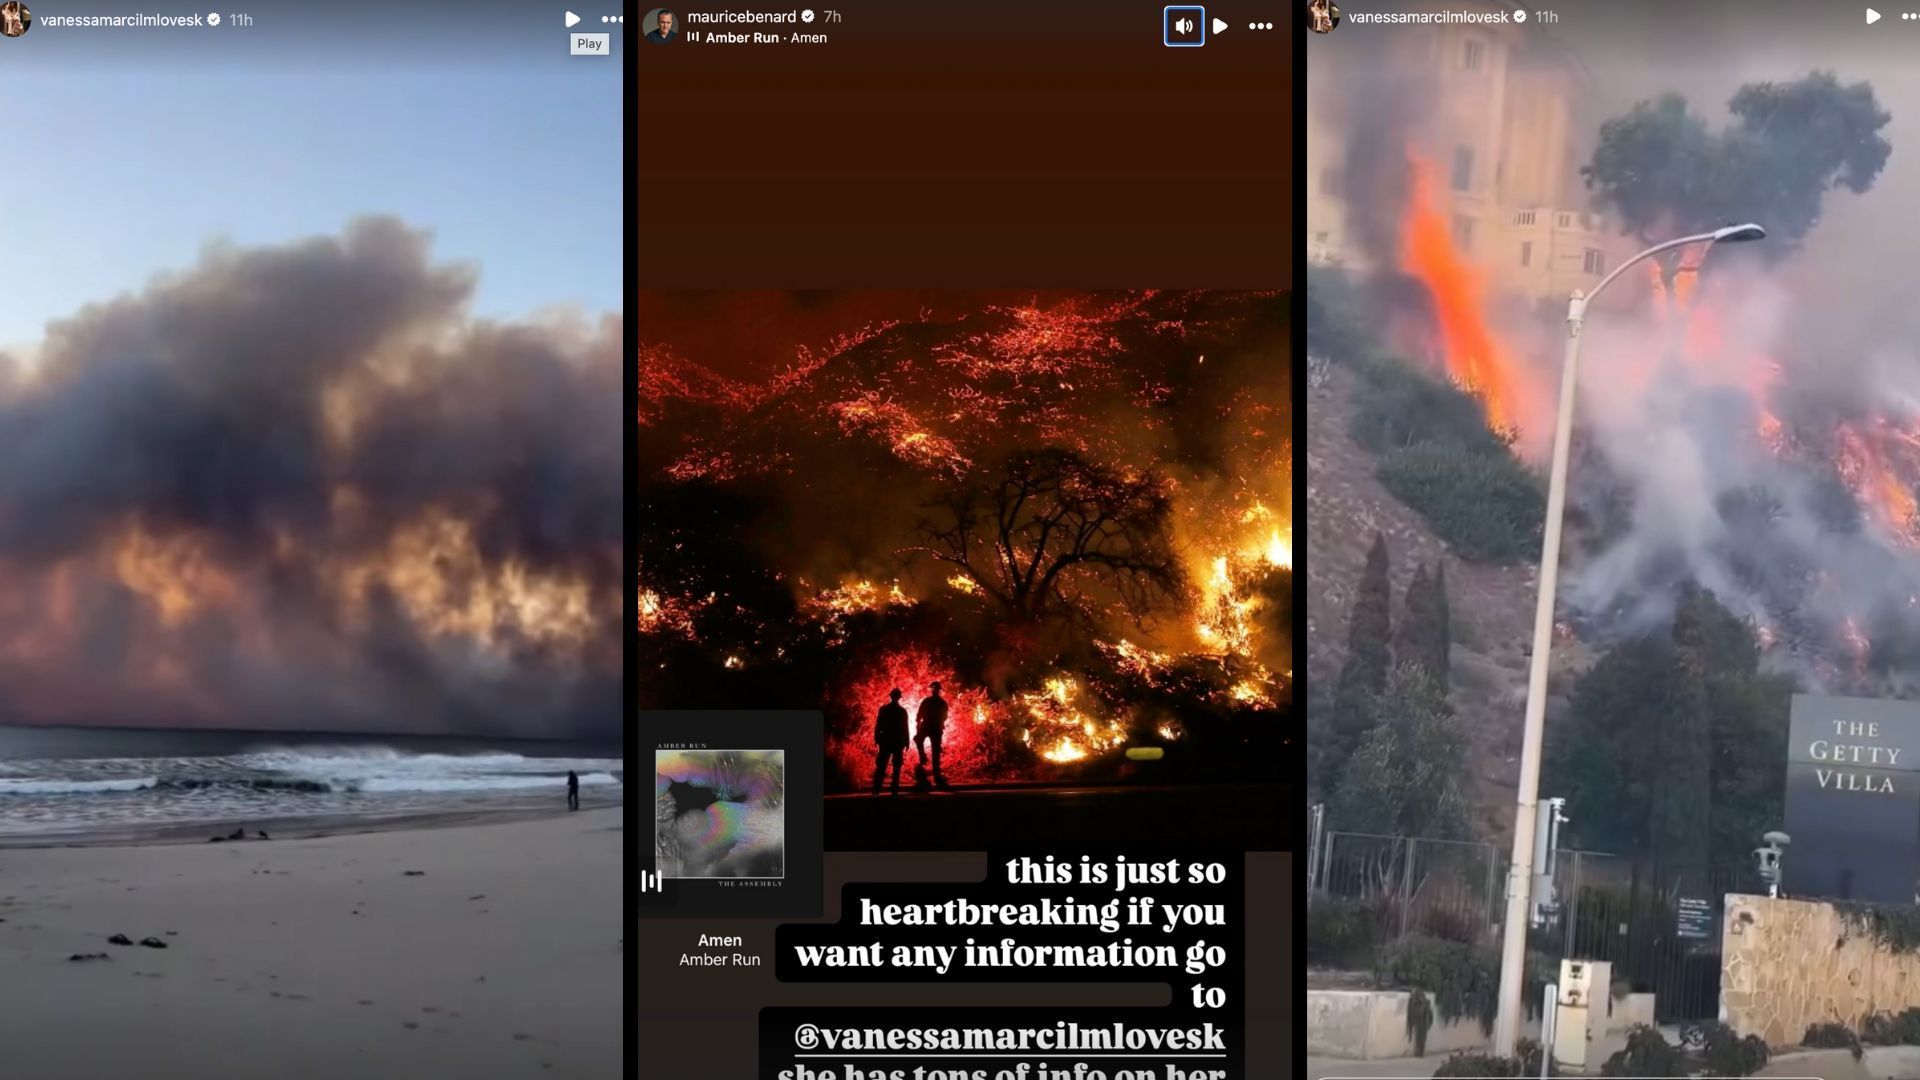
x: 1513, y: 951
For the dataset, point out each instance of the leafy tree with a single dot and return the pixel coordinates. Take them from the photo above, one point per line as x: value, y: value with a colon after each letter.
x: 1050, y: 532
x: 1423, y: 637
x: 1601, y: 758
x: 1320, y: 752
x: 1405, y: 777
x: 1665, y: 173
x: 1675, y: 744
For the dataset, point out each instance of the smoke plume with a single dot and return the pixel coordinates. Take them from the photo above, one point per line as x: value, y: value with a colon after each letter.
x: 299, y: 488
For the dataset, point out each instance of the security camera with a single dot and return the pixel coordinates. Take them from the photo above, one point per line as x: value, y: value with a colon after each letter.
x: 1767, y: 860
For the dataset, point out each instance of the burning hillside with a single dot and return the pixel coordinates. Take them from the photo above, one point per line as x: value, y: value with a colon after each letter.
x: 298, y: 488
x: 1715, y: 444
x: 1467, y: 349
x: 1788, y: 493
x: 1072, y: 511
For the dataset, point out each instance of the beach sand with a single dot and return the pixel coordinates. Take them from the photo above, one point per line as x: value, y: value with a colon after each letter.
x: 320, y: 957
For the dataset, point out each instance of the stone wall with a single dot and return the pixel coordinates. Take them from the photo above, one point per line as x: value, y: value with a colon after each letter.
x: 1787, y: 964
x: 1371, y: 1025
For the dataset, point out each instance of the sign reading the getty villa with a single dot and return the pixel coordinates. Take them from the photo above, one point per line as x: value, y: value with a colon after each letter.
x: 1838, y: 754
x: 1853, y: 799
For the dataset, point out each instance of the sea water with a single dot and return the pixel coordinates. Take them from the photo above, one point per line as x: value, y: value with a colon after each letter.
x: 59, y: 782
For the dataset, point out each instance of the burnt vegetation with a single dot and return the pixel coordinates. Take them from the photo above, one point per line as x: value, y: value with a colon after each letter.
x: 1073, y: 512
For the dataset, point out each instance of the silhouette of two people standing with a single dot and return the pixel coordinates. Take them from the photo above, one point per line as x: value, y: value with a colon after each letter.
x: 890, y: 738
x: 573, y: 790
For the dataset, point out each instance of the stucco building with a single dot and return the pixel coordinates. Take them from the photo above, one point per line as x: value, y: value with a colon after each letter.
x: 1493, y: 109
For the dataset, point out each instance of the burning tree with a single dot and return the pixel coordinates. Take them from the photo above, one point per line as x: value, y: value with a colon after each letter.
x: 1070, y: 512
x: 1663, y: 172
x: 1051, y: 529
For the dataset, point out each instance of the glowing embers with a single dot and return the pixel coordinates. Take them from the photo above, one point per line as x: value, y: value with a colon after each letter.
x: 853, y: 596
x: 1225, y: 622
x: 1229, y: 630
x: 1474, y: 357
x: 1148, y: 666
x: 831, y: 608
x: 1276, y: 547
x: 909, y: 439
x: 664, y: 614
x: 1877, y: 458
x: 1044, y: 342
x: 1059, y: 719
x: 1280, y: 549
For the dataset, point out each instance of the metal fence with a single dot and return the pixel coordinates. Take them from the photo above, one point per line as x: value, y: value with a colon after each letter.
x: 1660, y: 930
x: 1450, y: 888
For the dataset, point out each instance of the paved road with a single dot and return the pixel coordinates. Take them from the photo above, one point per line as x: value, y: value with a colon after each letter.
x: 1256, y: 817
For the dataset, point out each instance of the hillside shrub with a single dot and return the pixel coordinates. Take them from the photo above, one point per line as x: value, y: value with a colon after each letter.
x: 1647, y: 1053
x: 1832, y: 1037
x: 1729, y: 1054
x: 1883, y: 1029
x: 1399, y: 406
x: 1342, y: 934
x: 1526, y: 1062
x: 1463, y: 980
x: 1486, y: 506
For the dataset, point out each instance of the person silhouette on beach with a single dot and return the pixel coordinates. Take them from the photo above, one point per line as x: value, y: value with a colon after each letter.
x: 573, y: 790
x: 890, y: 739
x: 931, y: 726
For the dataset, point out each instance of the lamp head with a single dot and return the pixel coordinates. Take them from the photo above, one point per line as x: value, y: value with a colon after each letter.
x: 1732, y: 234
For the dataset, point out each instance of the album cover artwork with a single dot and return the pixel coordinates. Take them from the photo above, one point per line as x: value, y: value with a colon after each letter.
x: 736, y: 823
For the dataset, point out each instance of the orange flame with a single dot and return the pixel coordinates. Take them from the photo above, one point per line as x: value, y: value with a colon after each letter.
x: 1475, y: 359
x: 1877, y: 485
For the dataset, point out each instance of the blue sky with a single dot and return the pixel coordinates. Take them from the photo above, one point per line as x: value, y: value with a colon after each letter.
x: 110, y: 173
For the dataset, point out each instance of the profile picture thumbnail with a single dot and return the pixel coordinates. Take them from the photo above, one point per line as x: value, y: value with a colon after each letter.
x: 720, y: 813
x: 661, y: 25
x: 15, y: 19
x: 1322, y: 16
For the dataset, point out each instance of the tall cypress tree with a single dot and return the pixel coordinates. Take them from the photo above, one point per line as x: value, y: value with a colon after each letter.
x: 1363, y: 675
x: 1422, y: 641
x: 1683, y: 796
x: 1370, y: 625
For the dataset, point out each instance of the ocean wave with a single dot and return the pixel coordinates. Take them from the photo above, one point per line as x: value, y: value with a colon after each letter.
x: 384, y: 763
x: 378, y: 757
x: 61, y: 786
x: 370, y: 785
x: 316, y: 771
x: 478, y: 783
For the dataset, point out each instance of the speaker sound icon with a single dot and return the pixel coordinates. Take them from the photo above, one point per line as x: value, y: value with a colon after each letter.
x: 1184, y: 25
